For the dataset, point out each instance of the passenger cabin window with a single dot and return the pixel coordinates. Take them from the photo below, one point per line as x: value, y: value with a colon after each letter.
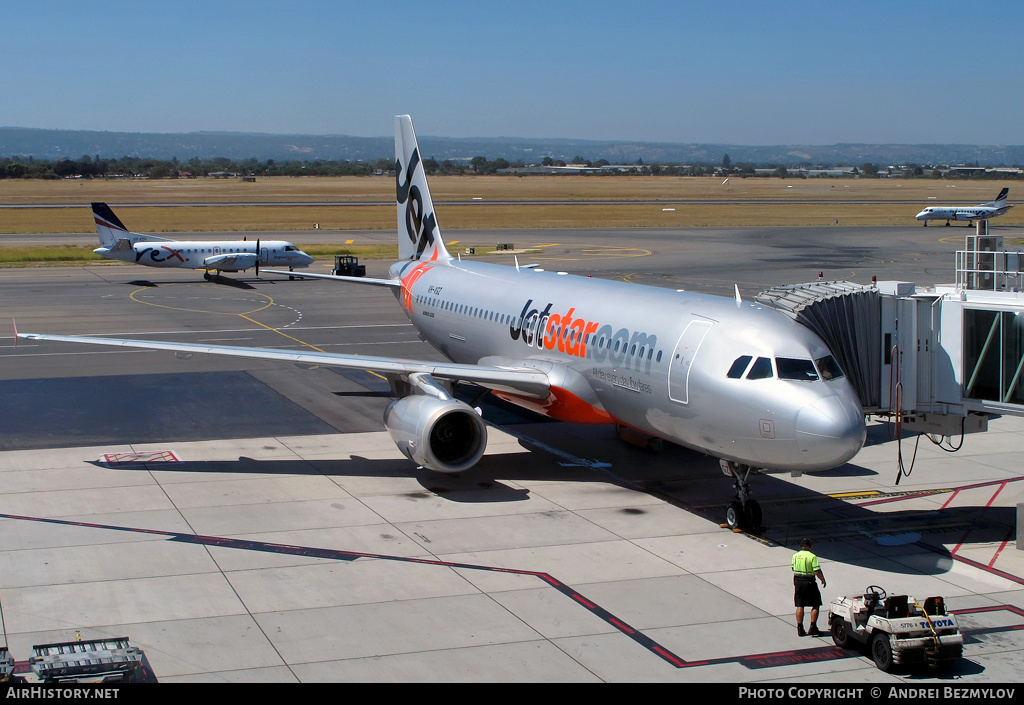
x: 761, y: 369
x: 828, y: 368
x: 739, y: 367
x: 794, y: 368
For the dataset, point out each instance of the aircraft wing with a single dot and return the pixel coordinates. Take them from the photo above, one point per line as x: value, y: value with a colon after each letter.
x: 232, y: 261
x: 508, y: 378
x: 334, y: 277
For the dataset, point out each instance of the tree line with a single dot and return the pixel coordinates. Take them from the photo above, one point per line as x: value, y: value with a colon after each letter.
x: 136, y: 167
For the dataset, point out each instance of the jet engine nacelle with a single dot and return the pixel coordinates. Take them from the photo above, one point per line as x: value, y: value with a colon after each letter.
x: 444, y: 435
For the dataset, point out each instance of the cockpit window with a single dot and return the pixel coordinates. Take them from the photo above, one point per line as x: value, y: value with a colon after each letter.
x: 793, y: 368
x: 739, y: 367
x: 761, y: 369
x: 829, y: 368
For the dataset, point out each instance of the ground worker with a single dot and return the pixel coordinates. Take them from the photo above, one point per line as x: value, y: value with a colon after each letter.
x: 806, y: 594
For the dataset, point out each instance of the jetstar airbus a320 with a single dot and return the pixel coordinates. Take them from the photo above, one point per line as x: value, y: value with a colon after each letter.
x: 732, y: 379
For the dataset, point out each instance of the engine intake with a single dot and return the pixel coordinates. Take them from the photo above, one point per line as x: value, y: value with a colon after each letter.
x: 444, y: 435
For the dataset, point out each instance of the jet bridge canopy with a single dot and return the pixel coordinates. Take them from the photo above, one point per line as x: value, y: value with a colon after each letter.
x: 847, y: 317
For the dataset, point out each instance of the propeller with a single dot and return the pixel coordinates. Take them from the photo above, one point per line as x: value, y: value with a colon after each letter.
x: 257, y: 257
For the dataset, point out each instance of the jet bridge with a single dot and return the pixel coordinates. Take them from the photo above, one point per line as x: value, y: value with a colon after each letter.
x: 940, y: 359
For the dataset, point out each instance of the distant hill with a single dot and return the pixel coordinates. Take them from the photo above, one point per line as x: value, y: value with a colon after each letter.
x: 71, y: 144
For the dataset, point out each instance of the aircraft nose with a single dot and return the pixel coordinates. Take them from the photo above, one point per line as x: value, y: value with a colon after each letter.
x: 829, y: 431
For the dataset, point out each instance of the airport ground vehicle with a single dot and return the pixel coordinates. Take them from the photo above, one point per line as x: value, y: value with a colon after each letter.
x: 895, y: 629
x: 348, y: 266
x: 105, y: 660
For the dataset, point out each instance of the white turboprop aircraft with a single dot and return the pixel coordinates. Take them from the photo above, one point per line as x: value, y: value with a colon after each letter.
x: 117, y: 242
x: 982, y: 211
x: 729, y: 378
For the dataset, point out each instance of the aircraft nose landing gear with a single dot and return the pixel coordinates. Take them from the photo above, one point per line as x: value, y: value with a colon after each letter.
x: 743, y: 513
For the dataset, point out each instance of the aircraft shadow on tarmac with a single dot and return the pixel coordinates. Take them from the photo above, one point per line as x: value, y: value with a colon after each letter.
x: 865, y: 529
x: 214, y: 279
x: 913, y: 540
x: 909, y: 541
x: 472, y: 487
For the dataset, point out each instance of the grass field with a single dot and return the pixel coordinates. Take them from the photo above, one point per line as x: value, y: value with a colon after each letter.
x: 770, y: 202
x: 382, y: 188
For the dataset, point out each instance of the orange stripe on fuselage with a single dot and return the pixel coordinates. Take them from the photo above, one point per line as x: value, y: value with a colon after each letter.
x: 411, y: 278
x: 561, y: 405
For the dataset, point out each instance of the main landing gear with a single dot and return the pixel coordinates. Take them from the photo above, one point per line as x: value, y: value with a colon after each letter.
x: 743, y: 513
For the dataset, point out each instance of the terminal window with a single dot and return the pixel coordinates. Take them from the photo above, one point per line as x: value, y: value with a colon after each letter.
x: 994, y: 356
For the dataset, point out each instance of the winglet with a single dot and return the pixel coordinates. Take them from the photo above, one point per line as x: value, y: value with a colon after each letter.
x: 15, y: 332
x: 737, y: 288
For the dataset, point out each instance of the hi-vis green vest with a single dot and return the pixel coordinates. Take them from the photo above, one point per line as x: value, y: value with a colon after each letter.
x: 805, y: 563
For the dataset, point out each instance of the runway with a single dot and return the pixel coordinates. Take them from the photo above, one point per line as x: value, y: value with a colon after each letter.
x: 251, y: 521
x: 711, y: 260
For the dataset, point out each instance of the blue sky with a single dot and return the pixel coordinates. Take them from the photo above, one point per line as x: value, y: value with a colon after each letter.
x: 738, y: 72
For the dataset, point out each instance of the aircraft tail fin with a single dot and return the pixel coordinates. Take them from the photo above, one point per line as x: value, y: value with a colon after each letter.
x: 419, y: 237
x: 111, y: 230
x: 1000, y: 199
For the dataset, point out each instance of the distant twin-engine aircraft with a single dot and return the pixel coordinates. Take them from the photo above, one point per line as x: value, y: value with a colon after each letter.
x: 982, y: 211
x: 117, y: 242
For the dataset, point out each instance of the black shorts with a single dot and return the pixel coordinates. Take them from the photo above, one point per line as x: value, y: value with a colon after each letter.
x: 806, y: 592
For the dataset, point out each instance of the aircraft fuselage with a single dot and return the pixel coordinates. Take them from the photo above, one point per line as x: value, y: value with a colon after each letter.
x: 197, y: 254
x: 960, y: 214
x: 736, y: 380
